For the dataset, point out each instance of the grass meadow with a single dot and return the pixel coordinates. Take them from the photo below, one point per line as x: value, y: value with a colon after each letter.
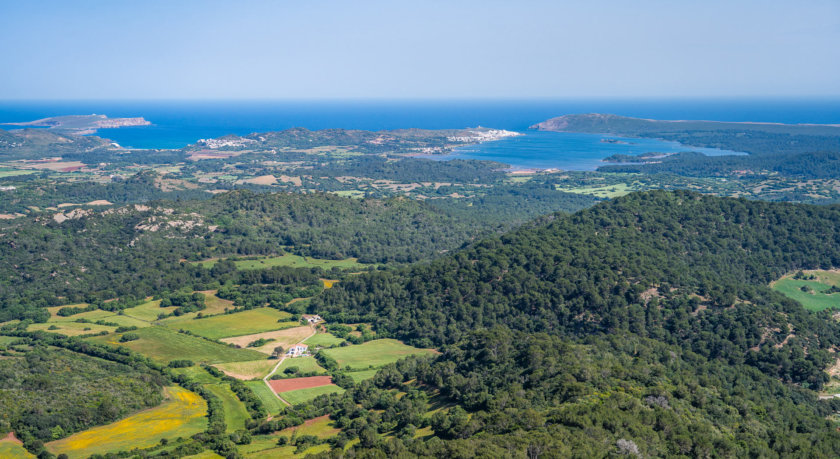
x: 181, y: 415
x: 163, y: 345
x: 304, y: 395
x: 291, y: 260
x: 235, y: 412
x: 372, y: 354
x: 304, y: 364
x: 323, y: 339
x: 237, y: 324
x: 269, y: 400
x: 814, y: 299
x: 252, y: 369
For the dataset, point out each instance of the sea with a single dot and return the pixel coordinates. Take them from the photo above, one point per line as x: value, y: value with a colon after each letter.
x: 178, y: 123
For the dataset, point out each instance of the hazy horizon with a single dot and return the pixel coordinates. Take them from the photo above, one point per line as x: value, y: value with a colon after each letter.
x: 376, y: 50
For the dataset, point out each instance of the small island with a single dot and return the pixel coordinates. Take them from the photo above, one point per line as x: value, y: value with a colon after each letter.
x: 644, y: 158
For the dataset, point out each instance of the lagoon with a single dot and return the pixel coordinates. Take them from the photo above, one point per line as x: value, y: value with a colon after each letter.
x: 567, y: 150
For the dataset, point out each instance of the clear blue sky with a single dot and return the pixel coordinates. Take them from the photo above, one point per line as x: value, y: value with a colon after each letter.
x: 418, y: 49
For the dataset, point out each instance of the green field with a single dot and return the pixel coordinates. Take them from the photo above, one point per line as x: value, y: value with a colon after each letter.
x: 71, y: 328
x: 197, y: 374
x: 148, y: 311
x: 350, y: 193
x: 235, y: 412
x: 12, y: 450
x: 236, y: 324
x: 13, y: 173
x: 304, y: 364
x: 304, y: 395
x: 294, y: 261
x: 205, y: 455
x: 163, y: 345
x: 127, y: 321
x: 324, y: 339
x: 607, y: 191
x: 4, y: 340
x: 265, y: 447
x: 181, y: 415
x: 67, y: 325
x: 248, y: 370
x: 213, y: 306
x: 269, y: 400
x: 815, y: 299
x: 93, y: 316
x: 372, y: 354
x: 359, y: 376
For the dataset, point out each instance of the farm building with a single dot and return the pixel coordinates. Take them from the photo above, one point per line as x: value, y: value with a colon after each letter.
x: 298, y: 350
x: 312, y: 319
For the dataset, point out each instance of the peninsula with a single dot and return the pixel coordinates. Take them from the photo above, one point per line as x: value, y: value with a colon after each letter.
x: 82, y: 124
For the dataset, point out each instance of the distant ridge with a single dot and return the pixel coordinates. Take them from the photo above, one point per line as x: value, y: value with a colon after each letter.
x: 600, y: 123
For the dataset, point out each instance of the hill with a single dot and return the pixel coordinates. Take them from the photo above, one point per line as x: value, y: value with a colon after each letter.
x: 622, y: 125
x: 87, y: 255
x: 642, y: 324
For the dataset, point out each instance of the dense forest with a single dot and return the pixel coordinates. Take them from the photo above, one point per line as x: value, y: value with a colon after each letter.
x: 643, y: 323
x: 816, y: 165
x: 140, y: 250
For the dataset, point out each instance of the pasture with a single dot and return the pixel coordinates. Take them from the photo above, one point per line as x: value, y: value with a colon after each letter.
x: 148, y: 311
x: 321, y: 427
x: 11, y: 447
x: 265, y: 447
x: 815, y: 298
x: 269, y: 400
x: 304, y: 364
x: 235, y: 412
x: 162, y: 344
x: 286, y: 338
x: 182, y: 414
x: 107, y: 316
x: 13, y: 173
x: 70, y: 328
x: 372, y: 354
x: 197, y: 374
x: 237, y: 324
x: 359, y: 376
x: 68, y: 325
x: 252, y: 369
x: 291, y: 260
x: 213, y: 306
x: 606, y: 191
x: 299, y: 396
x: 323, y: 340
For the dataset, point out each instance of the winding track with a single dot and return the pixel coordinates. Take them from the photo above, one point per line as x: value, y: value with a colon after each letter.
x: 274, y: 370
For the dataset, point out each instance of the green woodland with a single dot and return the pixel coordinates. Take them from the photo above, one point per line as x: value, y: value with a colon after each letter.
x: 463, y: 311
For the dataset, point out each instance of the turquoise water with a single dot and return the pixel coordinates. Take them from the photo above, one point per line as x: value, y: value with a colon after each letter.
x: 178, y: 123
x: 567, y: 151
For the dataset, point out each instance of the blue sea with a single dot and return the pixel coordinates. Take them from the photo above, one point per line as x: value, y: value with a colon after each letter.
x: 178, y: 123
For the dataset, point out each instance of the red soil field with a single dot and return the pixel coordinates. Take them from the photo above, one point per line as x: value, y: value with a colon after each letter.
x: 283, y: 385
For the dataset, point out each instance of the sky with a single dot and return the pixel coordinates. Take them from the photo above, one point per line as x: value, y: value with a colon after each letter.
x: 428, y: 49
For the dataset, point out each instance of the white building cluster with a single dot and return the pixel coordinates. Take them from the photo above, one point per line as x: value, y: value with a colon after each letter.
x: 483, y: 136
